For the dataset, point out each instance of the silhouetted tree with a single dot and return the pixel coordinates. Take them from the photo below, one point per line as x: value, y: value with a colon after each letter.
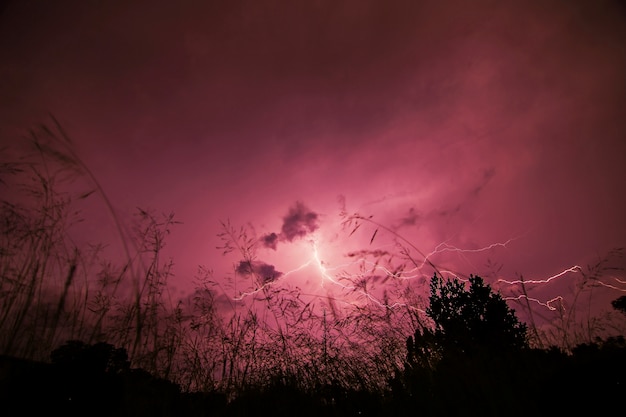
x: 466, y: 363
x: 89, y: 377
x: 620, y: 304
x: 473, y: 319
x: 92, y: 359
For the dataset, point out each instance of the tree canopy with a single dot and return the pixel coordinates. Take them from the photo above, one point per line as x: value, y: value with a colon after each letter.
x: 476, y: 318
x: 620, y: 304
x: 465, y: 321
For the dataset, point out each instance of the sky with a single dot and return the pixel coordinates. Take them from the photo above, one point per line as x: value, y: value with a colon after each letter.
x: 488, y: 135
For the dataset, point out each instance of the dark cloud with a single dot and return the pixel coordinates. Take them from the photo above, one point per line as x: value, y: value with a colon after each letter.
x: 299, y: 222
x: 266, y: 273
x: 363, y: 253
x: 270, y: 240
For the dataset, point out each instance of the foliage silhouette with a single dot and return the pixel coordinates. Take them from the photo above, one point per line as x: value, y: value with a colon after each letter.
x: 465, y: 359
x: 620, y: 304
x: 77, y: 356
x: 475, y: 320
x: 98, y: 380
x: 89, y: 376
x: 475, y: 360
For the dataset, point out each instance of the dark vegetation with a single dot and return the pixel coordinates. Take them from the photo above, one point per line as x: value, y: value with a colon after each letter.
x: 83, y: 335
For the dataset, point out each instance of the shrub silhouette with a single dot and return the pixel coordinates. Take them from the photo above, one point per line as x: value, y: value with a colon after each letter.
x: 97, y: 380
x: 620, y: 304
x: 475, y: 359
x: 466, y: 362
x: 89, y: 377
x: 475, y: 320
x: 77, y: 356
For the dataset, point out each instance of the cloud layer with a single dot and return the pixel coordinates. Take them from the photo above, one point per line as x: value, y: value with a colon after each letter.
x: 449, y: 122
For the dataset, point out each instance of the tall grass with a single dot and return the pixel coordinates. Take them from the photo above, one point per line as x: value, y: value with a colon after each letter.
x: 43, y: 283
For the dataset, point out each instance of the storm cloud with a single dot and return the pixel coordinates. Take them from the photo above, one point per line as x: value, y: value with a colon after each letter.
x: 270, y: 240
x: 266, y: 273
x: 450, y: 121
x: 297, y: 223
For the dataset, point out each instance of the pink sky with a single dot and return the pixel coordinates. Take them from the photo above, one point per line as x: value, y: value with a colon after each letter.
x: 449, y: 123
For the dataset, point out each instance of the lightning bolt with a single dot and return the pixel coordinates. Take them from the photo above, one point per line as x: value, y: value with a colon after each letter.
x: 572, y: 269
x: 324, y: 272
x: 546, y: 304
x: 334, y: 277
x: 355, y: 283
